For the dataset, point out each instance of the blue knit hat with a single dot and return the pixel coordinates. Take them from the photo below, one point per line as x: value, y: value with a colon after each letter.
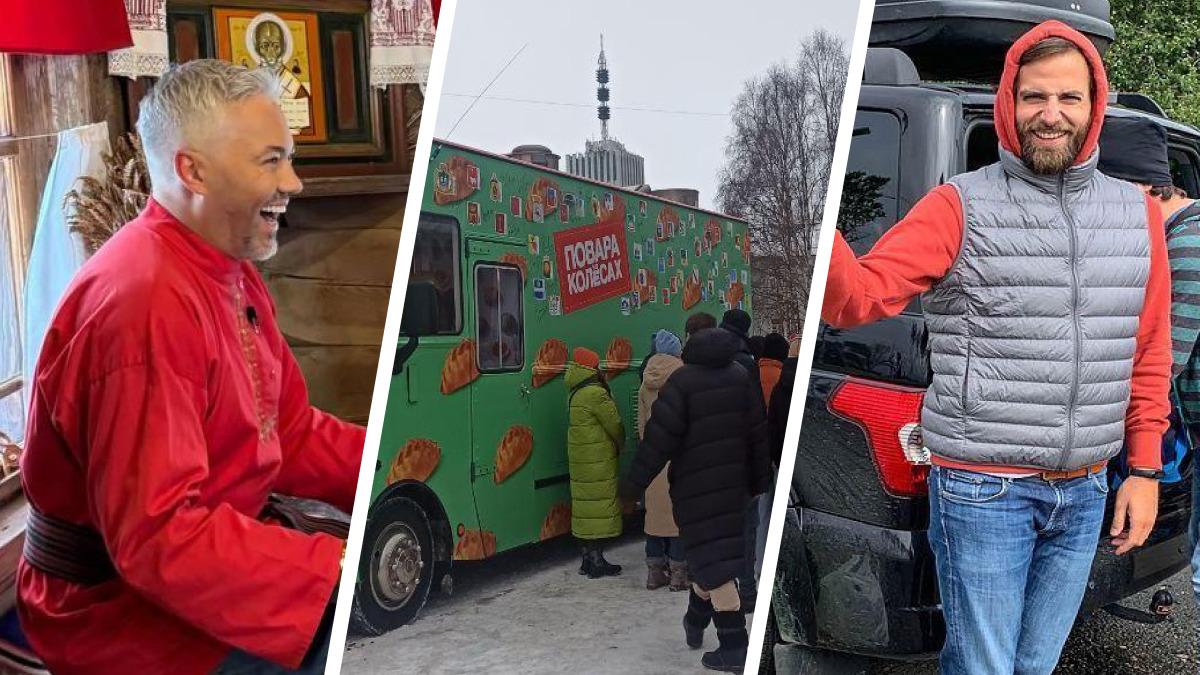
x: 666, y: 342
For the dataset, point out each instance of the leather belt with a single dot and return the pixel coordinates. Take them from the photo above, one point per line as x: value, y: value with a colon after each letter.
x: 77, y: 553
x: 66, y: 550
x: 1074, y: 473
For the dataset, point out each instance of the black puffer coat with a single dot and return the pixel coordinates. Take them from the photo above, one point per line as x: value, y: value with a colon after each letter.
x: 708, y: 422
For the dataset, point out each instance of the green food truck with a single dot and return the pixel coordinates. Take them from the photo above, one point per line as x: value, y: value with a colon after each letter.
x: 513, y: 267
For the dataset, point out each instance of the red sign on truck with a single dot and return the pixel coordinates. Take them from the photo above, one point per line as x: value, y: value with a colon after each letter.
x: 593, y: 262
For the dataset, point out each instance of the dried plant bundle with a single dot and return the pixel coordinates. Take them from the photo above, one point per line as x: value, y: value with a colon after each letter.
x: 97, y: 208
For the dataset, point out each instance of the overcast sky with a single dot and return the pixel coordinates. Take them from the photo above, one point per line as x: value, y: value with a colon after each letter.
x: 691, y: 56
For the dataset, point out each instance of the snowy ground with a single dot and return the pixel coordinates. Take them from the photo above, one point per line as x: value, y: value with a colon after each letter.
x: 529, y: 611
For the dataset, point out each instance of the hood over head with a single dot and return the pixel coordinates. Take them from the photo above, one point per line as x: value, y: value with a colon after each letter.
x: 577, y: 373
x: 666, y: 342
x: 1005, y: 107
x: 712, y: 347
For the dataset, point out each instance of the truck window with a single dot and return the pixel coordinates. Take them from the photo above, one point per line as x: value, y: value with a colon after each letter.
x: 500, y: 325
x: 435, y: 275
x: 983, y: 147
x: 869, y: 197
x: 1185, y: 170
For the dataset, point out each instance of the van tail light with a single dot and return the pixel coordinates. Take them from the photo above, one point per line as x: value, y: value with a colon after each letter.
x: 890, y: 416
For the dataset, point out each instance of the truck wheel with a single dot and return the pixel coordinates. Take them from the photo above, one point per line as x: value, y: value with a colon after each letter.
x: 396, y: 569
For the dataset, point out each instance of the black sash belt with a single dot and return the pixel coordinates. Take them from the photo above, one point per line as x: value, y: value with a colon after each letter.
x: 308, y: 515
x: 66, y: 550
x: 76, y: 553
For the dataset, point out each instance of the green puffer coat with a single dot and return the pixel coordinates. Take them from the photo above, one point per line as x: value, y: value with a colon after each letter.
x: 594, y: 440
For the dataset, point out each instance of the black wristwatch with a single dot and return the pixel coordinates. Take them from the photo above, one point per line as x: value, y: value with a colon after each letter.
x: 1155, y: 474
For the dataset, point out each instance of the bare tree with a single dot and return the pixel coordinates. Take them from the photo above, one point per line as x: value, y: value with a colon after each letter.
x: 776, y: 170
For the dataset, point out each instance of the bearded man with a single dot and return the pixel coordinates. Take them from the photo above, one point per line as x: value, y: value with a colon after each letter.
x: 167, y: 406
x: 1047, y: 298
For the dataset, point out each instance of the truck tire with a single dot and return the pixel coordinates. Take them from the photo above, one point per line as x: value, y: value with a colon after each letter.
x: 396, y: 570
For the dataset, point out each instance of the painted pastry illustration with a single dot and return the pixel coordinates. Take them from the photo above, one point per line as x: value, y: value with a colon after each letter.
x: 512, y: 453
x: 746, y: 246
x: 557, y: 522
x: 735, y: 293
x: 617, y: 358
x: 474, y: 544
x: 459, y: 369
x: 415, y: 461
x: 669, y: 219
x: 612, y: 215
x: 545, y: 192
x: 457, y: 178
x: 712, y: 231
x: 551, y: 360
x: 646, y: 290
x: 518, y: 260
x: 691, y: 290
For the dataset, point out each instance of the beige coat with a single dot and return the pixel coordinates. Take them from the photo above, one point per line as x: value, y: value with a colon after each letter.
x: 660, y: 522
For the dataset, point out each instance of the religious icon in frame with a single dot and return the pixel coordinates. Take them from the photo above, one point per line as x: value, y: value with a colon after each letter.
x: 286, y: 43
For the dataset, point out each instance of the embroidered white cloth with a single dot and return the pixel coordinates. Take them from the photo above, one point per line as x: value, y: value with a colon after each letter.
x: 401, y: 42
x: 148, y: 55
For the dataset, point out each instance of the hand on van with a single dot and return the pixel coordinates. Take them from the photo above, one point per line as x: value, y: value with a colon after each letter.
x: 1134, y: 514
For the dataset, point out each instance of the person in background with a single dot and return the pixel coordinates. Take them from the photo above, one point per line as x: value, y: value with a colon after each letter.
x: 594, y: 440
x: 664, y: 548
x: 708, y: 423
x: 1135, y: 149
x: 698, y: 322
x: 645, y: 361
x: 737, y: 323
x: 757, y: 344
x: 770, y: 364
x: 777, y: 418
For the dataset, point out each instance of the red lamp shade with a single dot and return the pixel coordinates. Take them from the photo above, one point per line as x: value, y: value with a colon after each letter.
x: 64, y: 26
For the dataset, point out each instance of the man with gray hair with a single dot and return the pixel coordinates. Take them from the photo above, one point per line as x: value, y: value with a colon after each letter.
x: 166, y: 406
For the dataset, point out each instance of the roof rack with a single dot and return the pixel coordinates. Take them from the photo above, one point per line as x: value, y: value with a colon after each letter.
x: 1141, y: 102
x: 889, y: 66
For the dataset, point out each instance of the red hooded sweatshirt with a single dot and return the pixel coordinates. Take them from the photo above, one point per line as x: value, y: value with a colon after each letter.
x: 920, y: 249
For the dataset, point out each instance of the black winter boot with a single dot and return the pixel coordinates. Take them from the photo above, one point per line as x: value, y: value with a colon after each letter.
x: 599, y: 566
x: 695, y: 620
x: 730, y: 656
x: 585, y: 565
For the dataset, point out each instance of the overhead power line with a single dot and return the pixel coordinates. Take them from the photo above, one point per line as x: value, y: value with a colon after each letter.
x: 589, y: 105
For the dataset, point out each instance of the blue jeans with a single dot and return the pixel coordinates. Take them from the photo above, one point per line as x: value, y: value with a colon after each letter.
x: 760, y: 534
x: 1194, y: 530
x: 665, y: 547
x: 1013, y: 560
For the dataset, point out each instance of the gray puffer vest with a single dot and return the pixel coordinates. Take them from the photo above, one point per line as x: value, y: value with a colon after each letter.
x: 1032, y: 332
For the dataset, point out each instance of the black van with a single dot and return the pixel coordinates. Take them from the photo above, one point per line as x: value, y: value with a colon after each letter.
x: 855, y: 572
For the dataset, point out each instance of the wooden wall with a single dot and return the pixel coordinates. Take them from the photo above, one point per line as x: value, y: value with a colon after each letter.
x: 331, y: 280
x: 50, y: 94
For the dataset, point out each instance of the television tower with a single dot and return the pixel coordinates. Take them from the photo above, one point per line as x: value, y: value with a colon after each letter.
x: 602, y: 91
